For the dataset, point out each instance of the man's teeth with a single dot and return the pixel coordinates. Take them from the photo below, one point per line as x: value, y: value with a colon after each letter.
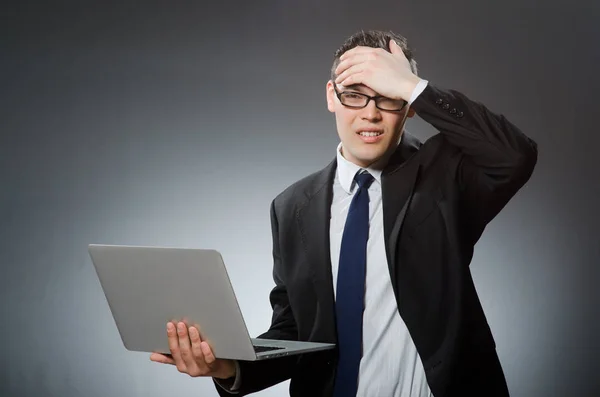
x: 366, y: 133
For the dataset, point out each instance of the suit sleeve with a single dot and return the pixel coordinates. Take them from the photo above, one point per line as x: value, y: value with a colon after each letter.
x: 496, y: 158
x: 259, y: 375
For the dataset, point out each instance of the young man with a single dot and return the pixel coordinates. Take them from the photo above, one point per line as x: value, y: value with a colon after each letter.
x: 373, y: 252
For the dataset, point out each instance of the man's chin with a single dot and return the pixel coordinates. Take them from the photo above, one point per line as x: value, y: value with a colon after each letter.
x: 367, y: 160
x: 376, y: 160
x: 366, y: 156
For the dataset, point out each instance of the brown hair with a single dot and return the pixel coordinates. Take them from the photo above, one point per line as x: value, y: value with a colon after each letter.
x: 374, y: 39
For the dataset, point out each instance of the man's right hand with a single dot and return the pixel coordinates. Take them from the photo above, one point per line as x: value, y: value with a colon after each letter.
x: 193, y: 356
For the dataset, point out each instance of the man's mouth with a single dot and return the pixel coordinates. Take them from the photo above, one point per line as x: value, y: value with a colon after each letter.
x: 370, y: 136
x: 370, y: 133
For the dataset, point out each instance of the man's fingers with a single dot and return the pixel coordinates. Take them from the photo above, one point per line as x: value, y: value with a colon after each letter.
x: 363, y: 50
x: 352, y: 79
x: 202, y: 350
x: 349, y: 72
x: 196, y: 343
x: 174, y: 347
x: 360, y: 55
x: 185, y: 346
x: 162, y: 358
x: 357, y: 50
x: 395, y: 48
x: 173, y: 341
x: 352, y: 61
x: 209, y: 357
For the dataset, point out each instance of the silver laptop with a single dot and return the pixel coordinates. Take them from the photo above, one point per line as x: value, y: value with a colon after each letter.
x: 146, y: 287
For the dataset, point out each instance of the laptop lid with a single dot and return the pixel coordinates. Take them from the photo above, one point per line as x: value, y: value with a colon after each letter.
x: 146, y: 287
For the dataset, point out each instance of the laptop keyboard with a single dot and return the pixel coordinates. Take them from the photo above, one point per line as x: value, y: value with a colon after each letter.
x: 260, y: 349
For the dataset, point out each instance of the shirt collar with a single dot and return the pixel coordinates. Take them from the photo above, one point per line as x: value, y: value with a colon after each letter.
x: 347, y: 170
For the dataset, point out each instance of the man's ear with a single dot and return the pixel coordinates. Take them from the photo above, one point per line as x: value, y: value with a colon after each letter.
x: 411, y: 112
x: 330, y: 95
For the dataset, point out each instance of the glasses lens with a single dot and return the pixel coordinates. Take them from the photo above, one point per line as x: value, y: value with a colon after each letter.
x: 353, y: 99
x: 390, y: 104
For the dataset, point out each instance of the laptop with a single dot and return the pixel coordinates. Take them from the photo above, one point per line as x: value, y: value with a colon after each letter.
x: 146, y: 287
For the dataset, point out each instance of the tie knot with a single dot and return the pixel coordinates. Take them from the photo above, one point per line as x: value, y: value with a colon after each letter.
x: 364, y: 180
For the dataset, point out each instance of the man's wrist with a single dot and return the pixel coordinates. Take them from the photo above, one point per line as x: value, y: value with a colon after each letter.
x: 418, y: 90
x: 230, y: 373
x: 409, y: 87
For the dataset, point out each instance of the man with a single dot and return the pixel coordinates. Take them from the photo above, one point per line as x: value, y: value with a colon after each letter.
x: 373, y: 252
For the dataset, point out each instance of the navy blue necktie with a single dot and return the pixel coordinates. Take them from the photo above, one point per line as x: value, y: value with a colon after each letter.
x: 350, y: 293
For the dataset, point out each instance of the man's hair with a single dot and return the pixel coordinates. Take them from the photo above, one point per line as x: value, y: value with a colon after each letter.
x: 374, y: 39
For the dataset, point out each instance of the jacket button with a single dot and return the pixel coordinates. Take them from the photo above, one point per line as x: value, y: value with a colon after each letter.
x: 453, y: 111
x: 439, y: 101
x: 460, y: 114
x: 446, y: 106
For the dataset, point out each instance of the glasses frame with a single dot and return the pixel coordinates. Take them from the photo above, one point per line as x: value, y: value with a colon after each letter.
x: 369, y: 99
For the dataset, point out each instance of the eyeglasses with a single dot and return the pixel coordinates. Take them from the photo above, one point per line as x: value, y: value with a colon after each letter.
x: 358, y: 100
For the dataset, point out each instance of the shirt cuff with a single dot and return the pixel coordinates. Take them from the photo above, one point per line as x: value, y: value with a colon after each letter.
x: 418, y: 90
x: 226, y: 385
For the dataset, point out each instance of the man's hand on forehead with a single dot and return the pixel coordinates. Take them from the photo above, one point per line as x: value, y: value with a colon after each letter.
x: 388, y: 74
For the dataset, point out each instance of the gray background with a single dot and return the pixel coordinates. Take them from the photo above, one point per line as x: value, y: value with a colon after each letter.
x: 176, y: 124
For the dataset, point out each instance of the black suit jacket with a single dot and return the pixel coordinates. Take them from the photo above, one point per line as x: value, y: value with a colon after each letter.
x: 438, y: 196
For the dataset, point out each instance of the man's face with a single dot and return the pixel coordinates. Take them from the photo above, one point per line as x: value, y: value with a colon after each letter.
x: 356, y: 127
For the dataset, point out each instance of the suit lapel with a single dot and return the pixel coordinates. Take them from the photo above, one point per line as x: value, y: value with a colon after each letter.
x: 398, y: 181
x: 313, y: 218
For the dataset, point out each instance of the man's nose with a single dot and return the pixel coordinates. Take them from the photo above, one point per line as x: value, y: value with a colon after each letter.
x: 370, y: 112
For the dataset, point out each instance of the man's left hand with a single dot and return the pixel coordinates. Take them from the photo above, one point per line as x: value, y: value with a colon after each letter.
x: 388, y: 74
